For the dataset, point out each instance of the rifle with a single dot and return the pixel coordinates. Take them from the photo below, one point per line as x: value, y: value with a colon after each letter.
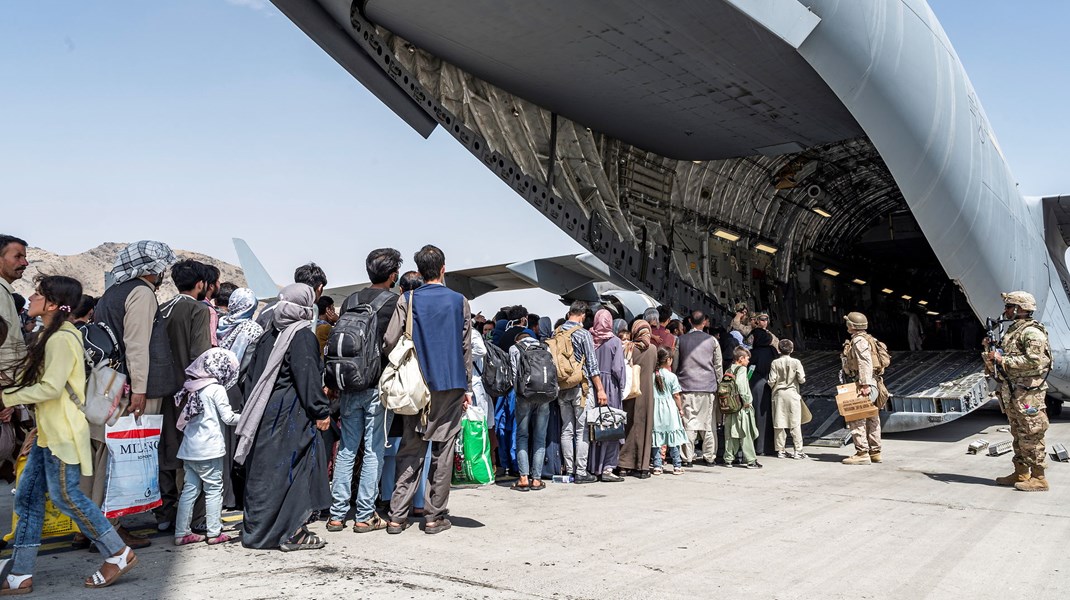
x: 993, y: 337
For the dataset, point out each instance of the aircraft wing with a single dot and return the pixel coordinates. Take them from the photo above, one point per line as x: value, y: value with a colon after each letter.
x: 572, y: 276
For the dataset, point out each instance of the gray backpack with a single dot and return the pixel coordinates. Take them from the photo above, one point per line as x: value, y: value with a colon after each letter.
x: 536, y: 378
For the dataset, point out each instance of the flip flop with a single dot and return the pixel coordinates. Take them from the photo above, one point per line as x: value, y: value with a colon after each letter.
x: 519, y: 488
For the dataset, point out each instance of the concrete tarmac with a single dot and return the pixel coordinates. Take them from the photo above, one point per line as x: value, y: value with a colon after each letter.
x: 927, y: 523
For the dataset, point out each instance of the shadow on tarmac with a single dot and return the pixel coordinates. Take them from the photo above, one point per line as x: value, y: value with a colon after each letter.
x: 959, y: 478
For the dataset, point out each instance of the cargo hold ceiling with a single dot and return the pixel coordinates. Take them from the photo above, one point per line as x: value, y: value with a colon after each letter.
x: 686, y: 80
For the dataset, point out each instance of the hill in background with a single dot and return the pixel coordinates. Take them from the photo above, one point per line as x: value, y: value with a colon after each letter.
x: 89, y: 267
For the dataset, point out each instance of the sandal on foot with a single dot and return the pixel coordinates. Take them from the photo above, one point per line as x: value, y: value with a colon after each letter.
x: 13, y: 585
x: 219, y: 539
x: 122, y: 563
x: 303, y: 540
x: 373, y: 524
x: 535, y: 488
x: 334, y: 525
x: 193, y: 538
x: 438, y: 527
x: 396, y: 528
x: 520, y: 488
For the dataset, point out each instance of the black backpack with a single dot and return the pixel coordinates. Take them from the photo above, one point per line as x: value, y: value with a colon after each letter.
x: 497, y: 372
x: 353, y: 354
x: 536, y: 377
x: 100, y: 344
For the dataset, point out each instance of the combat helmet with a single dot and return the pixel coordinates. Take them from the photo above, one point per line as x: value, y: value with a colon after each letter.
x: 741, y: 306
x: 1023, y: 300
x: 856, y: 320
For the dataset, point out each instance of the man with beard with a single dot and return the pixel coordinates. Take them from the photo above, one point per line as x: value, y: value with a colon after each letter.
x: 188, y: 319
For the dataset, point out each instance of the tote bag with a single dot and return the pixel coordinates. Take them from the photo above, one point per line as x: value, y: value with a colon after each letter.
x: 133, y: 465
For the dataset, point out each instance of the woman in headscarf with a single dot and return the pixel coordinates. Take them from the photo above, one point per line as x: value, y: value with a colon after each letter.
x: 603, y: 456
x: 635, y: 454
x: 283, y: 454
x: 237, y: 332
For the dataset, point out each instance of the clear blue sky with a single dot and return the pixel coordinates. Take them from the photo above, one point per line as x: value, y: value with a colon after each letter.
x: 197, y: 121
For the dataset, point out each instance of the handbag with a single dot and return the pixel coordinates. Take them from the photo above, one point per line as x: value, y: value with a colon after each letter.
x: 608, y: 425
x: 103, y: 394
x: 402, y: 388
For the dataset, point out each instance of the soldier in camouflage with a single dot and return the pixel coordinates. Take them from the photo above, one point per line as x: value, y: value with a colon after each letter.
x: 858, y: 365
x: 741, y: 322
x: 1020, y: 364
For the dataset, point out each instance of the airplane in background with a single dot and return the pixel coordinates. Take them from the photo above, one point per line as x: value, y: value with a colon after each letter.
x: 808, y: 159
x: 571, y: 277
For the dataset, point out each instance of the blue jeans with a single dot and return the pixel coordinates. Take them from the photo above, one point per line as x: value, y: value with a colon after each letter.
x: 533, y: 430
x: 42, y: 474
x: 208, y: 473
x: 505, y: 430
x: 674, y: 455
x: 363, y: 419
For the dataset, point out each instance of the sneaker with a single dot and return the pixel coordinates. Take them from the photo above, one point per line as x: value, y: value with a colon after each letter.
x: 800, y: 456
x: 677, y: 470
x: 753, y: 465
x: 585, y: 478
x: 781, y: 454
x: 657, y: 471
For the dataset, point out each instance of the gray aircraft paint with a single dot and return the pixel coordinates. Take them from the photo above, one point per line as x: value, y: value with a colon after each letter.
x: 889, y: 64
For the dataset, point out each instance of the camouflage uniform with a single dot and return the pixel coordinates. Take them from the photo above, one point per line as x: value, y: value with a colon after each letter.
x: 1021, y: 386
x: 741, y: 323
x: 865, y: 433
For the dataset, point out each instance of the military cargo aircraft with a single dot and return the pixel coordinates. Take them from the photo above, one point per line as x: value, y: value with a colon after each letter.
x: 809, y: 159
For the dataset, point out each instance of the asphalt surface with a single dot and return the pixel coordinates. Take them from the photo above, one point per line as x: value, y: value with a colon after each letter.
x: 927, y: 523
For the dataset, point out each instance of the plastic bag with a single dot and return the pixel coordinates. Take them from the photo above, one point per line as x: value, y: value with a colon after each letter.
x: 133, y: 466
x: 471, y: 460
x: 56, y: 523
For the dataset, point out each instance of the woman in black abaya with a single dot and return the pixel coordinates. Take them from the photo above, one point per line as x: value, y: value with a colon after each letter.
x: 278, y: 441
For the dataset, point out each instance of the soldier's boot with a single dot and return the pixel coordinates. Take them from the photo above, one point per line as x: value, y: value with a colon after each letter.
x: 1020, y: 474
x: 859, y: 458
x: 875, y: 457
x: 1036, y: 483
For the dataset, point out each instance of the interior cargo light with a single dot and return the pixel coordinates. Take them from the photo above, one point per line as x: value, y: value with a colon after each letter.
x: 725, y: 234
x: 905, y: 297
x: 858, y: 281
x: 822, y: 212
x: 932, y: 314
x: 923, y: 302
x: 830, y: 272
x: 888, y: 291
x: 765, y: 248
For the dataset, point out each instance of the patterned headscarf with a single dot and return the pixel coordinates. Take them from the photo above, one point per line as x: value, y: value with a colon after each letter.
x: 602, y: 330
x: 641, y: 335
x: 215, y: 365
x: 241, y: 307
x: 142, y: 258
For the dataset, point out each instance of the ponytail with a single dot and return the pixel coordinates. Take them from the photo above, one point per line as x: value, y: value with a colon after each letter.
x: 663, y: 359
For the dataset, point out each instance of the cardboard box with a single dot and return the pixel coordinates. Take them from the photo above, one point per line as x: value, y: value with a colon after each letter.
x: 852, y: 407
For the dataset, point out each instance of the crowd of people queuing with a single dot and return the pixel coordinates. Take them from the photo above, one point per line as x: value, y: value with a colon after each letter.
x: 253, y: 418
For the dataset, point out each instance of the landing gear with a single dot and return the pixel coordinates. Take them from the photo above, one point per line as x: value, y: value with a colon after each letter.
x: 1055, y: 407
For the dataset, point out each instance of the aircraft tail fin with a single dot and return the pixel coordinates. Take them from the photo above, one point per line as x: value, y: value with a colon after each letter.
x: 256, y: 276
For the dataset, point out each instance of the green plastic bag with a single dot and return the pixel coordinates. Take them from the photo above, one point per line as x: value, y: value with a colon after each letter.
x: 471, y: 460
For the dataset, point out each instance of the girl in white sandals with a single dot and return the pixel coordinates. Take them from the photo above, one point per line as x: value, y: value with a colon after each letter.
x: 52, y: 378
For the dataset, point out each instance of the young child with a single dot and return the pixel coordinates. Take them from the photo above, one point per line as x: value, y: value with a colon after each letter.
x: 202, y: 417
x: 740, y: 430
x: 668, y: 414
x: 786, y: 378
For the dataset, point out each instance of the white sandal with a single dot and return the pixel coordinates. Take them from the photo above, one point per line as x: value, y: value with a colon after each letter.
x: 14, y: 582
x: 124, y: 562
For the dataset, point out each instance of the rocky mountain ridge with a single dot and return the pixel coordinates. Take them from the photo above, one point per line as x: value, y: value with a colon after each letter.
x: 89, y: 267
